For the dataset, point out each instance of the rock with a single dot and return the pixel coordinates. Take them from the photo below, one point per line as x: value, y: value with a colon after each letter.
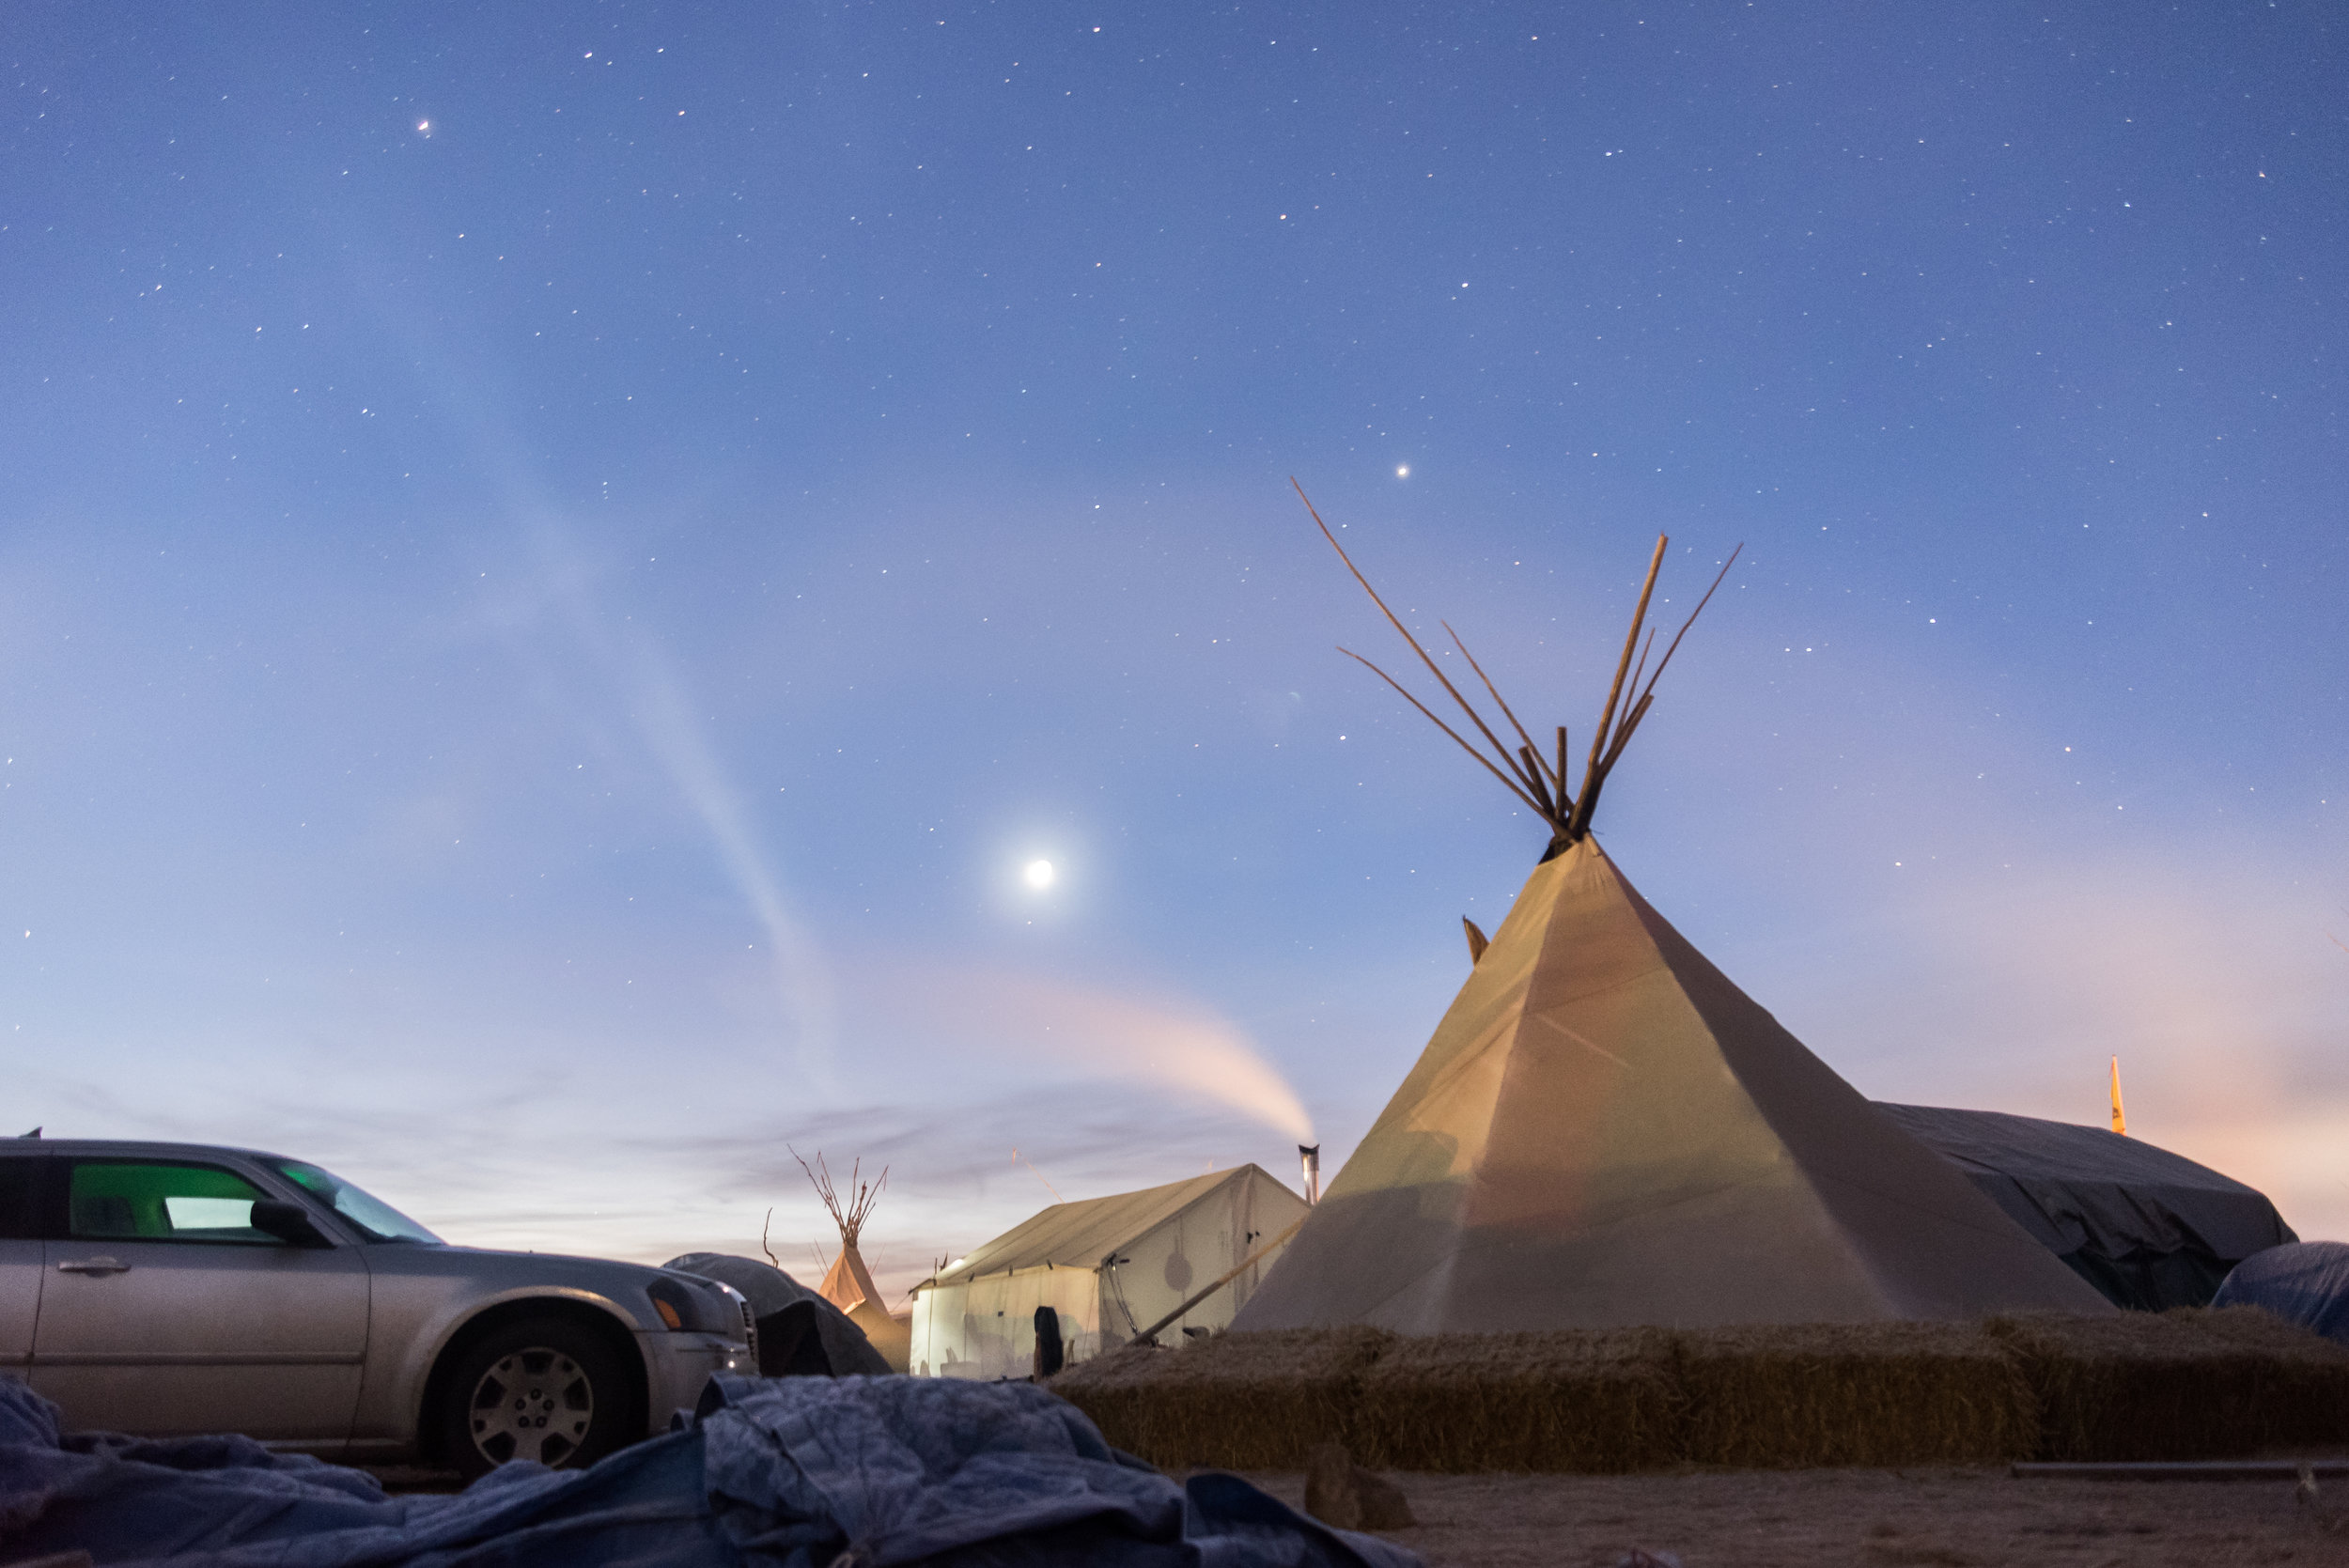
x: 1340, y: 1493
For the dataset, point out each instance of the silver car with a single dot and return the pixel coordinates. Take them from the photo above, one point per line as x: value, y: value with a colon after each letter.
x: 173, y: 1288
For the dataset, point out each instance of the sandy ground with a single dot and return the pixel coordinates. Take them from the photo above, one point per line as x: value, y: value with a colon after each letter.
x: 1939, y: 1518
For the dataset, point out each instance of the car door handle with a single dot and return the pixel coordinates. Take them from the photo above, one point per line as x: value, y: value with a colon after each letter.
x: 92, y: 1265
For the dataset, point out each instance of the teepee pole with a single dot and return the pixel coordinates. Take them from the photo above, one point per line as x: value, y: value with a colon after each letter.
x: 1534, y: 765
x: 1432, y: 669
x: 1593, y: 771
x: 1515, y: 786
x: 1529, y: 773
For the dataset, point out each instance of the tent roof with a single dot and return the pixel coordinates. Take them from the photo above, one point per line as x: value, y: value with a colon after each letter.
x: 1605, y: 1130
x: 2074, y: 1187
x: 1081, y: 1235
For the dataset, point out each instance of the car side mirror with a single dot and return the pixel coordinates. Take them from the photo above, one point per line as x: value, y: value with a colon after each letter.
x: 288, y: 1222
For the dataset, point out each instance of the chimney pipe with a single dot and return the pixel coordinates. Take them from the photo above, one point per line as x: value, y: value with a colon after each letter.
x: 1310, y: 1154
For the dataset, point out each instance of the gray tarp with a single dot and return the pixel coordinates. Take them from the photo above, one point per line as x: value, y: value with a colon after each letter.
x: 2307, y: 1283
x: 802, y: 1472
x: 2148, y: 1228
x: 772, y: 1293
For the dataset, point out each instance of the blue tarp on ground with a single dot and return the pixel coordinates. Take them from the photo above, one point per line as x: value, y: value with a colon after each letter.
x: 797, y: 1473
x: 2307, y: 1283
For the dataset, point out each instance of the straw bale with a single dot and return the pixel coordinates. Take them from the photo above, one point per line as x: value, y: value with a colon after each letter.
x: 2192, y: 1383
x: 1600, y: 1401
x: 1243, y: 1401
x: 1773, y: 1395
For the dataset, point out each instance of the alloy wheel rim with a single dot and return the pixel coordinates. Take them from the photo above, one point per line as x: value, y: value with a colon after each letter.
x: 534, y: 1404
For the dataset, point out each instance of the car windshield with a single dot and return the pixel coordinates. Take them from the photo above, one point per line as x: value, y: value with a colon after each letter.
x: 377, y: 1219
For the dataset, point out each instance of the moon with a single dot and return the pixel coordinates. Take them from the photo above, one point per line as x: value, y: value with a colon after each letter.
x: 1038, y: 874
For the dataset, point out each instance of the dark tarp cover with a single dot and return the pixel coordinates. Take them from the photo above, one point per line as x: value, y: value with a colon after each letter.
x: 802, y: 1472
x: 777, y: 1301
x: 2148, y: 1228
x: 2306, y: 1282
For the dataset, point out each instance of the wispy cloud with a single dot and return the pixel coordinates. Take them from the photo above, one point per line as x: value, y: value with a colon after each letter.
x: 657, y: 699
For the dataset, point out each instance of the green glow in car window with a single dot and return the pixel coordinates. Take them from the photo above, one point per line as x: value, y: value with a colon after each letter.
x: 372, y: 1215
x: 160, y: 1202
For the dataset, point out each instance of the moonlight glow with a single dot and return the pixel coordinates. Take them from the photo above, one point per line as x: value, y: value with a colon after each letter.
x: 1038, y: 874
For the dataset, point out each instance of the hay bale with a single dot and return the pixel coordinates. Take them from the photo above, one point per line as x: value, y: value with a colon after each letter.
x: 1241, y: 1402
x: 2304, y: 1378
x: 2192, y: 1383
x: 1789, y: 1395
x: 1600, y: 1401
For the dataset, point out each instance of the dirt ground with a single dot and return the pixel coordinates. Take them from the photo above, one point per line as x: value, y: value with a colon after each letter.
x: 1931, y: 1518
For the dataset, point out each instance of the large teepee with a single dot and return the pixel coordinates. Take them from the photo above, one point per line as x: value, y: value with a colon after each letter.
x: 1606, y: 1131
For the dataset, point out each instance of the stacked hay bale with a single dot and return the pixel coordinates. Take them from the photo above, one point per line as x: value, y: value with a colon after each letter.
x: 1852, y: 1394
x: 2189, y: 1384
x: 2192, y: 1383
x: 1241, y: 1402
x: 1596, y: 1401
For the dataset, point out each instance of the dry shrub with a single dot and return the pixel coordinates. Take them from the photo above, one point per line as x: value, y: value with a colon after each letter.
x: 2191, y: 1383
x: 1241, y: 1402
x: 1770, y: 1395
x: 1600, y: 1400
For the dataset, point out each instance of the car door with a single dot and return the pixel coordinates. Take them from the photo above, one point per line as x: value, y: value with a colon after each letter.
x: 19, y: 1258
x: 164, y: 1312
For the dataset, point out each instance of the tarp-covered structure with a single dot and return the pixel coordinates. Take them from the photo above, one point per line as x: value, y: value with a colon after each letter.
x: 2305, y: 1283
x: 801, y: 1332
x: 1109, y: 1267
x: 2148, y: 1229
x: 1605, y: 1130
x: 876, y: 1471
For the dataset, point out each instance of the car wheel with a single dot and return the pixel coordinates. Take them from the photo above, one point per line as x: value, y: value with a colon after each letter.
x: 542, y: 1388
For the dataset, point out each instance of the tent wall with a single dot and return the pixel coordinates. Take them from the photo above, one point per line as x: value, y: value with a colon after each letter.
x: 983, y: 1326
x: 1183, y: 1254
x: 986, y: 1328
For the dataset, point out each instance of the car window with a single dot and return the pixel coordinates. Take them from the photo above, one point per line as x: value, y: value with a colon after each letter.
x: 20, y: 1197
x: 375, y: 1217
x: 127, y: 1200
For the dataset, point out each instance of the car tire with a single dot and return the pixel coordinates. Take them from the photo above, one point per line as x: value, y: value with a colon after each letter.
x: 543, y: 1389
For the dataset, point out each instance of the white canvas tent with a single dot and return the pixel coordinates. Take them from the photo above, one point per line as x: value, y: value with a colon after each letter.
x: 1108, y: 1266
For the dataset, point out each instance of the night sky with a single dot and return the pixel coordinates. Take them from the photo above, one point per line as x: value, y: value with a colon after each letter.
x: 556, y: 569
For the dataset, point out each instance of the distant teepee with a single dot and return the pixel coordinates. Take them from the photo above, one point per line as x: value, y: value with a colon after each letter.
x: 847, y: 1284
x: 1605, y: 1130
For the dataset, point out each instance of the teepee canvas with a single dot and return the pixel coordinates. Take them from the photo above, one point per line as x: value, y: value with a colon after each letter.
x: 847, y: 1284
x: 1605, y: 1130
